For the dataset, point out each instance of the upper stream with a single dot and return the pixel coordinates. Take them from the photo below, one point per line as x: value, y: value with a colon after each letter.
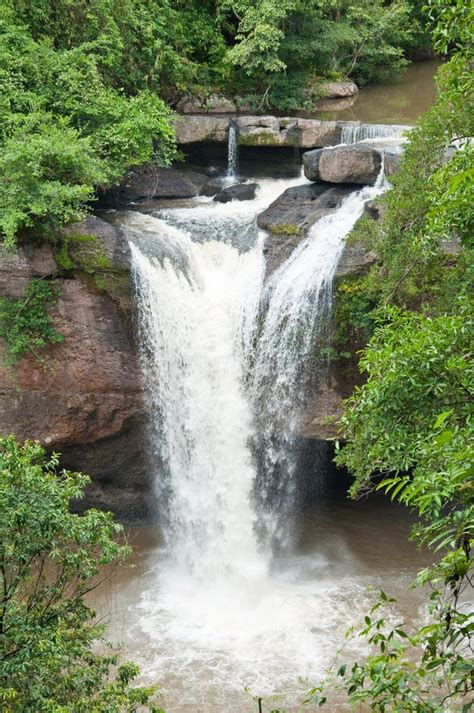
x: 238, y: 588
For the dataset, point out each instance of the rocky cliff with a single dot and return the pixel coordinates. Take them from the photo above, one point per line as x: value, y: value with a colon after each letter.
x: 85, y: 399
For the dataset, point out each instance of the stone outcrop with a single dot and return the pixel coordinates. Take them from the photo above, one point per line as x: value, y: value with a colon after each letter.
x: 289, y: 131
x: 339, y: 90
x: 206, y: 129
x: 288, y: 219
x: 356, y: 163
x: 258, y: 130
x: 238, y: 192
x: 212, y: 104
x: 86, y: 400
x: 151, y: 181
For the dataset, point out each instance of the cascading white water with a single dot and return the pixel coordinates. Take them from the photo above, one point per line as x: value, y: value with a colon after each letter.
x: 355, y: 133
x: 217, y: 349
x: 298, y: 300
x: 193, y: 324
x: 233, y: 151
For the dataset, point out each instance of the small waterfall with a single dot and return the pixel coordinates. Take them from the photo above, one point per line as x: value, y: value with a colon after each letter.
x: 233, y: 151
x: 355, y: 133
x: 297, y: 302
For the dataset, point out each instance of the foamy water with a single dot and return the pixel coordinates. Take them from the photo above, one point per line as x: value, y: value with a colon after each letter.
x: 216, y: 609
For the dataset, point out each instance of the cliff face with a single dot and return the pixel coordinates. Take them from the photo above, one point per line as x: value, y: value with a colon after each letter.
x: 86, y: 399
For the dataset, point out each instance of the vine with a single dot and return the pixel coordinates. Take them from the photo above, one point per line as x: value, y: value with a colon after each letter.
x: 25, y: 323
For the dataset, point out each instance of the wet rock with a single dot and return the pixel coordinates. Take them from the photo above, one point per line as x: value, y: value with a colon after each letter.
x: 212, y: 104
x: 151, y: 181
x: 288, y: 219
x: 356, y: 163
x: 211, y: 188
x: 239, y: 192
x: 339, y: 90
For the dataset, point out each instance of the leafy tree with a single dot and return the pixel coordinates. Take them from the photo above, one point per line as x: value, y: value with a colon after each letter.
x: 408, y: 431
x: 49, y: 560
x: 411, y: 427
x: 66, y: 127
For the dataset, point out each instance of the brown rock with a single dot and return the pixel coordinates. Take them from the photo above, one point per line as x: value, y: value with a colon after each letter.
x: 193, y: 129
x: 339, y: 90
x: 288, y: 219
x: 258, y: 131
x: 357, y: 163
x: 86, y: 401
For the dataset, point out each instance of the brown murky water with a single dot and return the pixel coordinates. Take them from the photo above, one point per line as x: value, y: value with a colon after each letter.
x: 400, y: 103
x: 208, y: 653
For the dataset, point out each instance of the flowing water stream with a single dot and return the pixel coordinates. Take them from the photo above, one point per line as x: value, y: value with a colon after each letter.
x: 234, y: 592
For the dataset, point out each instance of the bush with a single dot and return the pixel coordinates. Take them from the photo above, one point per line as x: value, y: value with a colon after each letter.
x: 49, y: 560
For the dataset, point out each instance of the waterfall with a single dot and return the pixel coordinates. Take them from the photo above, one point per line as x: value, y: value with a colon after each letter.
x: 226, y: 363
x: 193, y: 328
x: 354, y: 133
x: 233, y: 151
x: 224, y: 356
x: 297, y: 302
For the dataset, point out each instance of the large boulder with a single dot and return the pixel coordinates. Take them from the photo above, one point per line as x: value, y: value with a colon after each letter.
x: 339, y: 90
x: 212, y: 104
x: 356, y: 163
x: 286, y: 131
x: 288, y: 219
x: 258, y: 130
x: 151, y: 181
x: 238, y: 192
x: 201, y: 129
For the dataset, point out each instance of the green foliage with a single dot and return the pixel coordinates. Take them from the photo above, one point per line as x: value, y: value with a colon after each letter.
x: 390, y: 429
x: 25, y: 324
x: 285, y: 48
x: 67, y: 125
x: 411, y: 427
x: 409, y: 430
x: 49, y: 560
x: 84, y: 83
